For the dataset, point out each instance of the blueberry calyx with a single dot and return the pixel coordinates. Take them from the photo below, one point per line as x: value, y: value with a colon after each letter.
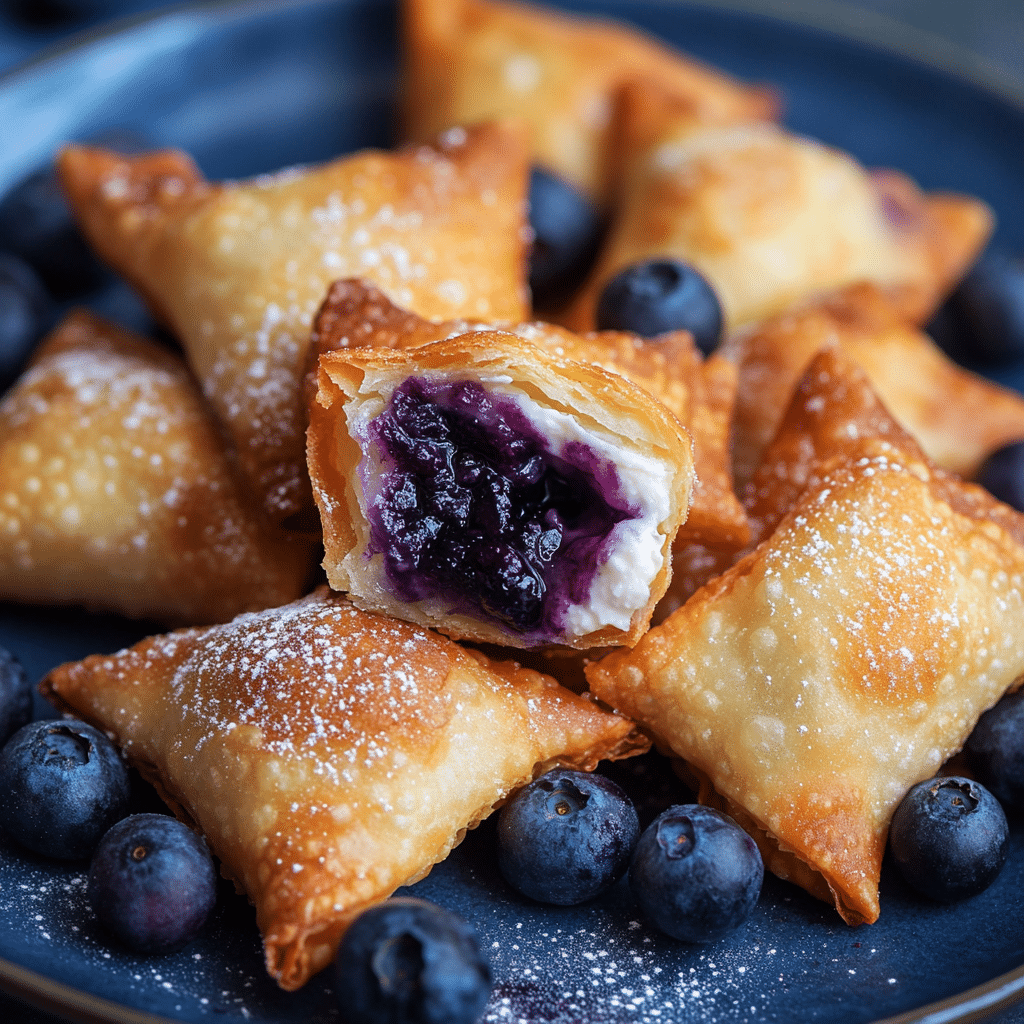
x: 566, y: 837
x: 658, y: 296
x: 408, y: 960
x: 949, y: 838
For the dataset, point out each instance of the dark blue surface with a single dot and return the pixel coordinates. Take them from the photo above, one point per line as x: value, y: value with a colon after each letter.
x: 250, y: 88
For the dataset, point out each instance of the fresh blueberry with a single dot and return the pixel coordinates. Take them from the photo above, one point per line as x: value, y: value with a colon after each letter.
x: 567, y: 230
x: 26, y: 311
x: 566, y: 837
x: 62, y: 785
x: 995, y: 750
x: 152, y: 883
x: 1003, y: 474
x: 949, y: 837
x: 695, y: 873
x: 15, y: 696
x: 37, y: 225
x: 661, y: 295
x: 987, y: 309
x: 407, y: 961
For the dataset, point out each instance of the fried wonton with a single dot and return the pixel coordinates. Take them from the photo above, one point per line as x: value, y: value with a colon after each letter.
x: 770, y: 218
x: 956, y: 416
x: 839, y: 663
x: 700, y: 392
x: 238, y: 269
x: 495, y: 491
x: 834, y: 413
x: 328, y: 755
x: 117, y: 493
x: 469, y: 60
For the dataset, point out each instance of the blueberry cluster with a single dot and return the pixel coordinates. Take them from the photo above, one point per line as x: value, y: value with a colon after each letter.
x: 65, y: 794
x: 569, y: 836
x: 475, y: 506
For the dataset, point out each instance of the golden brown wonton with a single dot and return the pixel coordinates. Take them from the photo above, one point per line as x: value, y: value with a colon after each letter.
x: 700, y: 392
x: 238, y: 269
x: 470, y: 60
x: 956, y: 416
x: 117, y: 493
x: 845, y: 658
x: 328, y: 755
x: 581, y: 431
x: 770, y: 218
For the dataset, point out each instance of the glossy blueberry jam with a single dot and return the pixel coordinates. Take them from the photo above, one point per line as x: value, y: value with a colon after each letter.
x: 475, y: 509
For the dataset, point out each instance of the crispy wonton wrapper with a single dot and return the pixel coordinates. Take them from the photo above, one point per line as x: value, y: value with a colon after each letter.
x: 328, y: 755
x: 238, y: 269
x: 118, y: 493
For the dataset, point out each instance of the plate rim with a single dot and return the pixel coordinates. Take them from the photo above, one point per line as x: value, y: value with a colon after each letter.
x: 863, y: 26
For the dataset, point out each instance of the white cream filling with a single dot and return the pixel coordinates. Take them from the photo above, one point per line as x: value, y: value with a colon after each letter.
x: 636, y: 546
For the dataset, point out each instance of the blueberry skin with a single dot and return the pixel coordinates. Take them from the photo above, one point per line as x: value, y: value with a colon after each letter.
x: 36, y: 224
x: 988, y: 309
x: 1002, y: 473
x: 566, y: 837
x: 661, y: 295
x: 995, y: 751
x: 949, y: 838
x: 567, y: 231
x: 696, y: 874
x: 152, y: 882
x: 15, y: 696
x: 26, y: 311
x: 62, y: 785
x: 407, y: 961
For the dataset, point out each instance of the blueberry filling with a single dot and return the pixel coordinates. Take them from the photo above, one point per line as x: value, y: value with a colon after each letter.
x: 475, y: 509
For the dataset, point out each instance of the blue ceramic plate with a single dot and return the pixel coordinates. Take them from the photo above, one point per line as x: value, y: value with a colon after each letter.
x: 250, y: 87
